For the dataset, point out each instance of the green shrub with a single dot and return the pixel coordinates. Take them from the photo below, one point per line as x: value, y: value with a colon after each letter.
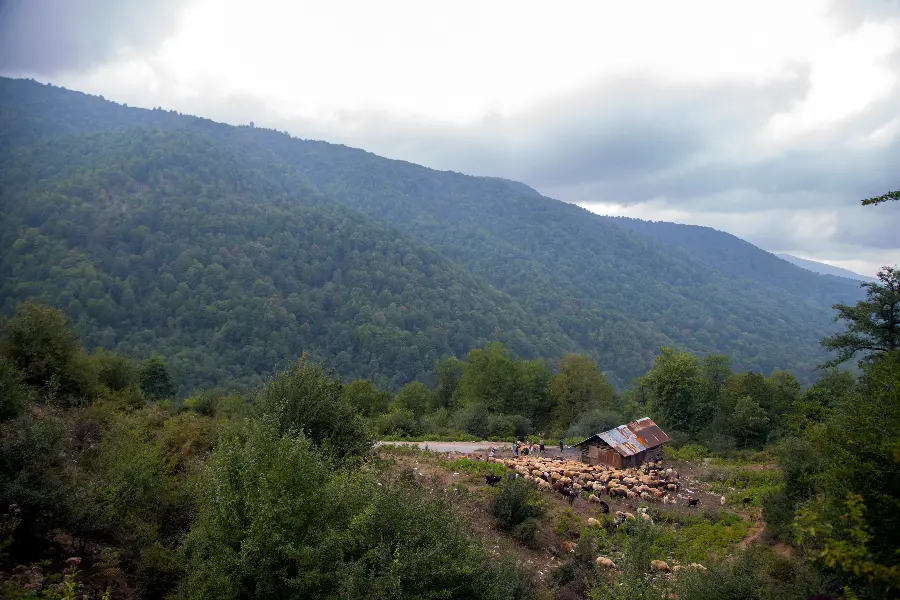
x: 40, y: 342
x: 279, y: 519
x: 566, y: 523
x: 32, y: 447
x: 13, y: 391
x: 306, y: 398
x: 155, y: 380
x: 687, y: 453
x: 753, y: 574
x: 114, y: 371
x: 515, y: 503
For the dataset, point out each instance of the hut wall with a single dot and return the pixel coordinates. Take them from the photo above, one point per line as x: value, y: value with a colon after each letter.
x: 595, y: 454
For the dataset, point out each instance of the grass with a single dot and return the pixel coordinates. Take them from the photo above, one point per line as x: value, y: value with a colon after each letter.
x: 700, y: 537
x: 736, y: 483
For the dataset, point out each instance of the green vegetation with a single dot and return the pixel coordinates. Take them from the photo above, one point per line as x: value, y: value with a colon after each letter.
x: 873, y: 326
x: 206, y: 329
x: 517, y: 506
x: 214, y: 498
x: 231, y: 251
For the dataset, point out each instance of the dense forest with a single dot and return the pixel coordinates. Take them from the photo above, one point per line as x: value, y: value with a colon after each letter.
x: 233, y: 249
x: 162, y: 241
x: 111, y: 488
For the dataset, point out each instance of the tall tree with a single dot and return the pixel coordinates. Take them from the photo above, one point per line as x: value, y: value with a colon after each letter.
x: 675, y: 385
x: 578, y: 387
x: 873, y: 324
x: 156, y: 383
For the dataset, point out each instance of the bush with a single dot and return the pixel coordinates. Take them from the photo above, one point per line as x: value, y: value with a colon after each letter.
x: 515, y: 504
x: 156, y: 382
x: 114, y: 371
x: 13, y: 391
x: 279, y: 519
x: 40, y: 342
x: 687, y: 453
x: 31, y: 473
x: 753, y: 574
x: 400, y: 422
x: 307, y: 399
x: 594, y: 421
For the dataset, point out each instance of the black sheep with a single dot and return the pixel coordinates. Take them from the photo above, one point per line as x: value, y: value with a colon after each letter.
x: 492, y: 479
x: 693, y: 501
x: 604, y: 507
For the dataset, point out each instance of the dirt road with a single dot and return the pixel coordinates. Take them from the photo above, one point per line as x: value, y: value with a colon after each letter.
x: 462, y: 447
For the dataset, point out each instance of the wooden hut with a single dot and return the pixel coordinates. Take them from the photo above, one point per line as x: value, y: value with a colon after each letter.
x: 628, y: 445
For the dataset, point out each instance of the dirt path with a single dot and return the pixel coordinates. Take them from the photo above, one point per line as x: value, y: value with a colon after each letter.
x: 461, y: 447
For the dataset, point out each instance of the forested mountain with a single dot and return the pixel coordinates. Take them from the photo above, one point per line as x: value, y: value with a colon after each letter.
x: 472, y: 258
x: 166, y: 242
x: 740, y: 259
x: 822, y: 268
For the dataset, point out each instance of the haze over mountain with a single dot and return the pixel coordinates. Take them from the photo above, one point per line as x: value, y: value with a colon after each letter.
x: 232, y: 249
x: 822, y: 268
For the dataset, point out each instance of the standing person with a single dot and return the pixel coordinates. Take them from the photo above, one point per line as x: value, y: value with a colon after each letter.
x: 542, y: 444
x: 562, y: 444
x: 515, y: 450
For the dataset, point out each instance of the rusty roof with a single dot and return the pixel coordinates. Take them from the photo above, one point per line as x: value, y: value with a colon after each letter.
x: 633, y: 437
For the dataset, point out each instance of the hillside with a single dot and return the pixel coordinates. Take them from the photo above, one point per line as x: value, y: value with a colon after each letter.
x: 566, y: 279
x: 730, y: 254
x: 822, y: 268
x: 166, y: 242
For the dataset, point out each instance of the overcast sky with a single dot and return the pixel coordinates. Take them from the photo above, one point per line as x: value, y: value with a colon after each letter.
x: 767, y: 119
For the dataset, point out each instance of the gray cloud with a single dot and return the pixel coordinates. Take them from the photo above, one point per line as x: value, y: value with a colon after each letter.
x: 46, y: 37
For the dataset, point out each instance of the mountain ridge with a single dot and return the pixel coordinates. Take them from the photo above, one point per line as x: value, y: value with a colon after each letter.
x: 823, y: 268
x: 591, y: 283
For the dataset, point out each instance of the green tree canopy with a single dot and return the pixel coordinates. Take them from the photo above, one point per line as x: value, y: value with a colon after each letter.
x: 156, y: 382
x: 675, y: 386
x: 577, y: 388
x: 307, y: 399
x: 873, y: 324
x: 883, y: 198
x: 40, y: 342
x: 414, y: 397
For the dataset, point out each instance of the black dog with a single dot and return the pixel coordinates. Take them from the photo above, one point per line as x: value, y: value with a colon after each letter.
x: 492, y: 479
x: 693, y: 501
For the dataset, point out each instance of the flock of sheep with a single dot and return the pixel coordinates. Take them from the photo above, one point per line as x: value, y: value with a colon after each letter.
x: 572, y: 479
x: 648, y: 482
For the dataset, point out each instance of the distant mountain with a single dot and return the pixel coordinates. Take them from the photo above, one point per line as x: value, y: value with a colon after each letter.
x: 822, y: 268
x: 742, y: 260
x: 412, y: 265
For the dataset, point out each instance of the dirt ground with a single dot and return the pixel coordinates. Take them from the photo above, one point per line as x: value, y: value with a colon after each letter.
x: 470, y: 495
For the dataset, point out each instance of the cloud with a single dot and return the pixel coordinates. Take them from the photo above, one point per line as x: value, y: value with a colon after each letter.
x: 47, y: 37
x: 775, y: 142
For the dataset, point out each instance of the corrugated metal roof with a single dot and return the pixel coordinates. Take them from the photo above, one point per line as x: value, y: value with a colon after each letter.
x: 633, y: 437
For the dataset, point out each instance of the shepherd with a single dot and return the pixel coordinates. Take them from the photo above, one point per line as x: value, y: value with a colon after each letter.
x: 541, y: 447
